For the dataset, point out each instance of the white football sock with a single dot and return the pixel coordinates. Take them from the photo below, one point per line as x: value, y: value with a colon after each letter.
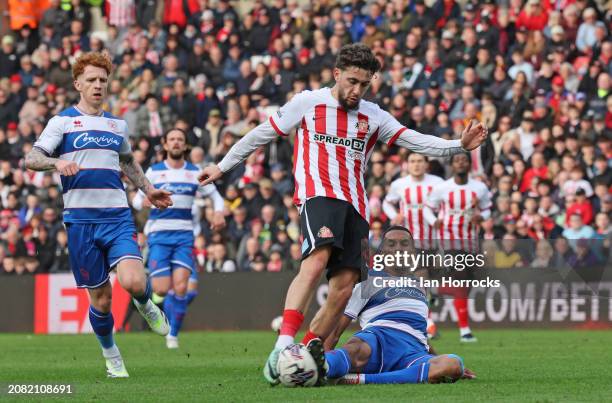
x: 283, y: 341
x: 111, y: 352
x: 465, y: 330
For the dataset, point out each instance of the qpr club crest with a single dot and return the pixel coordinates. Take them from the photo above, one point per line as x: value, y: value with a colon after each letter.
x: 112, y: 125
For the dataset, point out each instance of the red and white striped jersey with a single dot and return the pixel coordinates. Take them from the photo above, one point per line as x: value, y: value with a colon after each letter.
x: 411, y: 194
x: 332, y: 146
x: 457, y: 205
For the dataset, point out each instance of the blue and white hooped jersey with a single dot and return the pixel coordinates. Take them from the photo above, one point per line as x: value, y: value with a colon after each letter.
x: 184, y: 186
x: 403, y: 308
x: 96, y: 193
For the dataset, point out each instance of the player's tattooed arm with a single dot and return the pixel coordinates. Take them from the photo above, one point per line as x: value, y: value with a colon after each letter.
x: 134, y: 171
x: 158, y: 197
x: 38, y: 160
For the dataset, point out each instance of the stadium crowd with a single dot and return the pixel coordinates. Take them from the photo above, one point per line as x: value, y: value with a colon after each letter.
x: 538, y: 73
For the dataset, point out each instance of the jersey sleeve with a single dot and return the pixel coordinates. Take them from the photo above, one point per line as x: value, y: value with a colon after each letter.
x: 355, y: 304
x: 290, y: 114
x: 126, y: 148
x: 393, y: 132
x: 392, y: 198
x: 52, y: 136
x: 484, y: 203
x: 210, y: 191
x: 389, y: 128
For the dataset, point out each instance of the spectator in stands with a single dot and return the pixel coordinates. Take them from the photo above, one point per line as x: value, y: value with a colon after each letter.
x: 508, y: 257
x: 537, y: 73
x: 218, y: 261
x: 543, y: 255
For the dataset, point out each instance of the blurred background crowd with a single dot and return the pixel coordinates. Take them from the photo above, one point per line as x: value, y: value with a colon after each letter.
x: 538, y: 73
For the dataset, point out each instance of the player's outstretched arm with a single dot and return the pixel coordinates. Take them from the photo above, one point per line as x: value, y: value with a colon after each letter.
x: 473, y: 136
x: 159, y: 198
x: 259, y: 136
x: 37, y: 160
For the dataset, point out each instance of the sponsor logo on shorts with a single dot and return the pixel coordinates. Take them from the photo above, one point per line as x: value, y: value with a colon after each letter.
x: 325, y: 232
x: 353, y: 144
x: 84, y: 273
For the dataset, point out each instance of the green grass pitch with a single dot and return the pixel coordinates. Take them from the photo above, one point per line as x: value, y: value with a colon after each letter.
x: 512, y: 365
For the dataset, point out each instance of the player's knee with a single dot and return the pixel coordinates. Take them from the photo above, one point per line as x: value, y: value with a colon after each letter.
x: 361, y: 356
x: 180, y: 288
x: 134, y: 284
x: 103, y: 302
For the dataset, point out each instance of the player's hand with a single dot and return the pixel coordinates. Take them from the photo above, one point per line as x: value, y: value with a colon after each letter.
x: 67, y: 168
x: 218, y: 222
x: 146, y: 203
x: 160, y: 198
x: 398, y: 220
x: 210, y: 174
x: 477, y: 219
x: 468, y: 374
x: 473, y: 136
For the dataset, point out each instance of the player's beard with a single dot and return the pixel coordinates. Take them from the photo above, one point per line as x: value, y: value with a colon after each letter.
x: 344, y: 102
x: 463, y: 175
x: 175, y: 155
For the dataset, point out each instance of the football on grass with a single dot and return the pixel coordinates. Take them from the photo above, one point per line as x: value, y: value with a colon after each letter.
x: 296, y: 367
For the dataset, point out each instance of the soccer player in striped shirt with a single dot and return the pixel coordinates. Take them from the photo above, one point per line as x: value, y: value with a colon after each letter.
x: 411, y: 192
x: 170, y: 232
x: 336, y: 134
x: 463, y: 204
x: 90, y: 148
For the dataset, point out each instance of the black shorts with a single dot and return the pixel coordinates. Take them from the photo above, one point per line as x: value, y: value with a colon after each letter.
x: 327, y: 221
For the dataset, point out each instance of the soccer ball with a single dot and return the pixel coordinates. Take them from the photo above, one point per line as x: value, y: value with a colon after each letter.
x: 276, y: 323
x: 296, y: 367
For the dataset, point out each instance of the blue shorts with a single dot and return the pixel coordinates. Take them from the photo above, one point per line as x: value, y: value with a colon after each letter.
x: 194, y: 276
x: 167, y: 252
x: 392, y: 349
x: 95, y: 249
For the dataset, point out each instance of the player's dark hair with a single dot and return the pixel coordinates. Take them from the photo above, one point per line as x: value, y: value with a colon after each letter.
x: 467, y: 154
x: 357, y: 55
x: 384, y: 235
x: 396, y: 228
x: 165, y: 135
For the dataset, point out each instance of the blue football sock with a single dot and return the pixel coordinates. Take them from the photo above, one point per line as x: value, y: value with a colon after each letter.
x: 179, y: 306
x: 102, y: 324
x: 169, y: 307
x: 191, y: 296
x: 147, y: 294
x: 339, y: 363
x: 416, y: 374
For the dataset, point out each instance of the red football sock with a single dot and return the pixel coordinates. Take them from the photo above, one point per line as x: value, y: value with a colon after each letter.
x: 462, y: 312
x: 292, y: 320
x: 309, y: 336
